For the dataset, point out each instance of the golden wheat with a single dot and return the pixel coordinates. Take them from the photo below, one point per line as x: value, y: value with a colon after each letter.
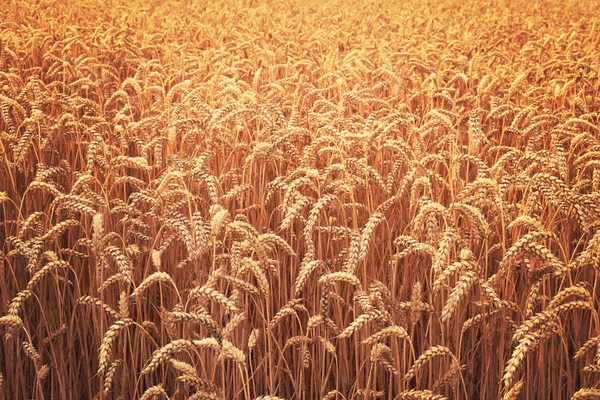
x: 306, y: 199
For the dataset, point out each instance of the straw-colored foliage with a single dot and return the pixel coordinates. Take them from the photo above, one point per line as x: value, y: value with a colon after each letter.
x: 242, y: 199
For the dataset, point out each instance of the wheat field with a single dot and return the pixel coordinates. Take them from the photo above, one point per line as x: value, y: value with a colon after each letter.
x: 242, y: 199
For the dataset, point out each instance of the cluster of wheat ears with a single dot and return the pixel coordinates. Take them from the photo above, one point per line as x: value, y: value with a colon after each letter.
x: 299, y: 200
